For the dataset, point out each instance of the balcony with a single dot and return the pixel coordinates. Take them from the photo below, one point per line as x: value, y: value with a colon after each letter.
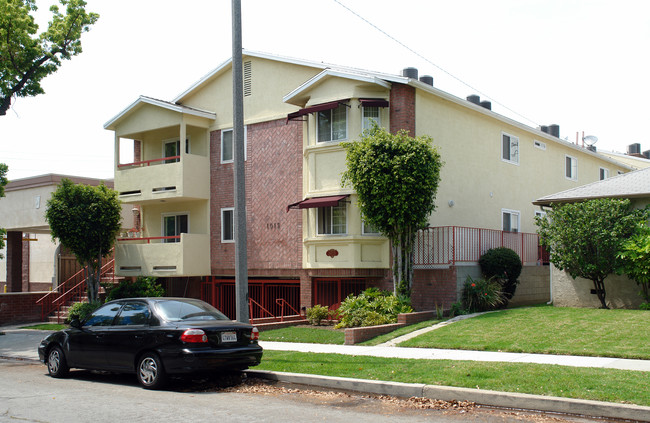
x: 445, y: 246
x: 184, y: 255
x: 176, y: 178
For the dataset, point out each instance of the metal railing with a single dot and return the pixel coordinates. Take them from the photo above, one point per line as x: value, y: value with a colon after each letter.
x: 452, y: 245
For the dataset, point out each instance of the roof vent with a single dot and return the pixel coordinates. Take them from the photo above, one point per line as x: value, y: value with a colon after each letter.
x: 591, y: 148
x: 646, y: 154
x: 554, y: 130
x: 410, y: 73
x: 427, y: 79
x: 474, y: 99
x: 634, y: 149
x: 486, y: 104
x: 544, y: 129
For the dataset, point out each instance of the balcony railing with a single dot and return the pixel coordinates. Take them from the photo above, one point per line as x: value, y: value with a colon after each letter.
x: 172, y: 159
x: 451, y: 245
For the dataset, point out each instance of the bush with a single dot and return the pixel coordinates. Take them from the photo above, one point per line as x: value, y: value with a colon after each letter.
x: 372, y: 307
x: 317, y: 313
x: 644, y: 306
x: 504, y: 265
x: 457, y: 309
x: 144, y: 286
x: 481, y: 295
x: 81, y: 311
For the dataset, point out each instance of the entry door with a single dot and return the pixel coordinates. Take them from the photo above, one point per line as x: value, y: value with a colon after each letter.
x: 174, y: 225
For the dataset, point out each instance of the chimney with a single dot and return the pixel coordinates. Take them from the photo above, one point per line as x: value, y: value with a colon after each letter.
x: 554, y: 130
x: 544, y: 129
x: 474, y: 99
x: 427, y: 79
x: 633, y: 149
x: 410, y: 73
x: 646, y: 154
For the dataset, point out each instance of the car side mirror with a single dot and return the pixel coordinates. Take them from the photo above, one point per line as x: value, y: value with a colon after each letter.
x: 75, y: 323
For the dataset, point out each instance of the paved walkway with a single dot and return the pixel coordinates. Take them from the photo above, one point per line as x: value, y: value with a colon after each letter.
x: 23, y: 343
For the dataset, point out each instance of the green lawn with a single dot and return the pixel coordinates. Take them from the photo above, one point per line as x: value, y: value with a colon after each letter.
x: 45, y: 326
x: 570, y: 382
x: 548, y: 330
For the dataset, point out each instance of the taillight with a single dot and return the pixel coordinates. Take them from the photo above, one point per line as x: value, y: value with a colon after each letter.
x: 194, y: 335
x: 255, y: 334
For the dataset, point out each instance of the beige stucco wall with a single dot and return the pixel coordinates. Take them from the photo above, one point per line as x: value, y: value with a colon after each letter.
x: 479, y: 182
x: 197, y: 211
x: 621, y: 292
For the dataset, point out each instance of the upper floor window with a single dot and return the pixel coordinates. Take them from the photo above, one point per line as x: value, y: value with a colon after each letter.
x: 332, y: 220
x: 332, y: 124
x: 604, y: 173
x: 571, y: 167
x: 510, y: 220
x: 228, y: 146
x: 369, y: 114
x: 172, y: 148
x: 174, y: 225
x: 228, y: 225
x: 509, y: 148
x: 368, y: 229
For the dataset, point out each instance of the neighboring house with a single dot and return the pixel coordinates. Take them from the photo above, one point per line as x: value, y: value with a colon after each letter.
x: 32, y: 261
x: 621, y: 291
x: 633, y: 158
x: 306, y: 241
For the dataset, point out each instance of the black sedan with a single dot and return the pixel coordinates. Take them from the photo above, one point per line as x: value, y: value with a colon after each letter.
x: 153, y: 338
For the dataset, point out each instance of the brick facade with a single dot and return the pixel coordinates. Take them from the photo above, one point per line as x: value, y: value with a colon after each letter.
x: 19, y: 307
x: 434, y: 287
x: 402, y: 109
x: 14, y: 261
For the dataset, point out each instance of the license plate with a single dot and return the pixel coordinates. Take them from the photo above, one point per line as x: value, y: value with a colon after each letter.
x: 228, y: 336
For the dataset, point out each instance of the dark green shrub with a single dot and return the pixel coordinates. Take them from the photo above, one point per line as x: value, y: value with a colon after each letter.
x: 316, y: 314
x: 457, y: 309
x: 481, y: 295
x: 504, y: 265
x: 372, y: 307
x: 81, y: 311
x: 143, y: 286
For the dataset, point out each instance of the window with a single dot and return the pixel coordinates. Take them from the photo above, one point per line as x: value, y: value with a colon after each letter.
x: 133, y: 314
x: 604, y: 173
x: 510, y: 220
x: 370, y: 114
x: 368, y: 229
x: 104, y: 316
x: 332, y: 220
x: 509, y: 148
x: 174, y: 225
x: 227, y: 145
x: 228, y: 225
x: 333, y: 124
x: 172, y: 148
x: 540, y: 145
x: 571, y: 167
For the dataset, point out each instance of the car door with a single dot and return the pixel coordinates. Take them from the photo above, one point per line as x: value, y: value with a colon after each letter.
x: 87, y: 344
x: 127, y: 336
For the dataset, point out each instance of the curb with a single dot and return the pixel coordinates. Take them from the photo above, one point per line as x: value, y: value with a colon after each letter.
x: 483, y: 397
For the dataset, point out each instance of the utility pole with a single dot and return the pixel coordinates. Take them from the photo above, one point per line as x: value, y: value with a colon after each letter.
x: 241, y: 260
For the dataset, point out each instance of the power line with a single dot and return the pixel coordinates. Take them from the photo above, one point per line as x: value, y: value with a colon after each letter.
x: 433, y: 64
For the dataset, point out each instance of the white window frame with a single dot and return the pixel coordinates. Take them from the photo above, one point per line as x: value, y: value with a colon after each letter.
x: 511, y: 213
x: 366, y: 121
x: 230, y: 130
x: 174, y: 214
x: 603, y: 173
x: 223, y: 211
x: 177, y: 142
x: 574, y: 168
x: 321, y: 210
x: 512, y: 158
x: 330, y: 111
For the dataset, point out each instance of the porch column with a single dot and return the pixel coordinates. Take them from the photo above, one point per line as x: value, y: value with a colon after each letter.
x: 14, y: 261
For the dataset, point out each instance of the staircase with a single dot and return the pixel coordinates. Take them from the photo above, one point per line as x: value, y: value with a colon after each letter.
x: 55, y: 305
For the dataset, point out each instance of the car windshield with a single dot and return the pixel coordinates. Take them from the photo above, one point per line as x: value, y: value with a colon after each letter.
x: 178, y: 311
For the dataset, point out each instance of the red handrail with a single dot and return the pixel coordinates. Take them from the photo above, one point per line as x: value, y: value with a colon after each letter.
x: 149, y: 239
x: 279, y: 301
x: 282, y: 302
x: 148, y: 162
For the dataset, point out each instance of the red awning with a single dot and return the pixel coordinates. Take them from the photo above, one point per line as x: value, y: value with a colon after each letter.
x: 311, y: 203
x: 373, y: 102
x: 313, y: 109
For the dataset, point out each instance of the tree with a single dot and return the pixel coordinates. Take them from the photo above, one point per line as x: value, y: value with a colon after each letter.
x: 27, y: 58
x: 396, y: 179
x: 584, y: 238
x: 86, y: 220
x: 635, y: 256
x: 3, y: 181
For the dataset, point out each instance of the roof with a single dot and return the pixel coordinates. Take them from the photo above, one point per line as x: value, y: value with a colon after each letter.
x: 53, y: 179
x: 159, y: 103
x: 628, y: 185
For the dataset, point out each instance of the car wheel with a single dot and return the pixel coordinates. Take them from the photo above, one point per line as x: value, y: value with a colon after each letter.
x: 150, y: 371
x: 57, y: 366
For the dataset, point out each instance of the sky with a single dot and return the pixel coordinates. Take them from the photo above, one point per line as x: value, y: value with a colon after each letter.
x: 581, y: 64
